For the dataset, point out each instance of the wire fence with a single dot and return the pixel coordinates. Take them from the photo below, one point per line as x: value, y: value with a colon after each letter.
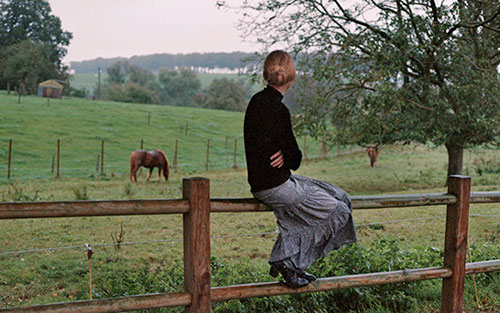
x: 260, y: 234
x: 103, y: 158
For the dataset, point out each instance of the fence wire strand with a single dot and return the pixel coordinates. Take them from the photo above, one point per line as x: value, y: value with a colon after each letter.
x: 360, y: 225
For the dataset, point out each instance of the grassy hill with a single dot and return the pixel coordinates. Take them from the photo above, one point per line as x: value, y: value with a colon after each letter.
x: 81, y: 124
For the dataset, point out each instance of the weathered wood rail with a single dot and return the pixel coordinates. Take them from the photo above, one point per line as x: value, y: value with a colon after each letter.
x: 196, y: 207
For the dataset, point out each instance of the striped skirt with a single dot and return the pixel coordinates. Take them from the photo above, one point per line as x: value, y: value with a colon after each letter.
x: 314, y: 217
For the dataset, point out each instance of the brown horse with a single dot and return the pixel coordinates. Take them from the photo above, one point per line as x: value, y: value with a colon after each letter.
x: 149, y: 159
x: 373, y: 154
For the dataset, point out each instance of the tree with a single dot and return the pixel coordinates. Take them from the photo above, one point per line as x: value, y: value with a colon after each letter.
x: 116, y: 74
x: 131, y: 92
x: 22, y: 20
x: 26, y: 64
x: 389, y: 71
x: 123, y: 72
x: 178, y: 87
x: 140, y: 94
x: 225, y: 94
x: 130, y: 83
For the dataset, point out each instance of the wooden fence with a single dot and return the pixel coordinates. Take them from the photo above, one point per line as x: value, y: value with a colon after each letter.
x: 196, y: 207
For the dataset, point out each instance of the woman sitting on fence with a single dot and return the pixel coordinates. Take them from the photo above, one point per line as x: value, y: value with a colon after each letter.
x: 314, y: 217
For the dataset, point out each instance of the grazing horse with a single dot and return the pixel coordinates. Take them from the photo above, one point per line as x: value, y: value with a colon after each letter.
x: 373, y: 154
x: 149, y: 159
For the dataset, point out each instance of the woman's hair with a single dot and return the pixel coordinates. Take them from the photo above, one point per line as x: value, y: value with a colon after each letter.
x: 279, y: 68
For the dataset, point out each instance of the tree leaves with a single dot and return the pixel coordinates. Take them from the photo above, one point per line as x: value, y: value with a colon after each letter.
x: 380, y: 72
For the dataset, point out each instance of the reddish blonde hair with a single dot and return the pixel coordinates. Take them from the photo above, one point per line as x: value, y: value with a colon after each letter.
x: 279, y: 68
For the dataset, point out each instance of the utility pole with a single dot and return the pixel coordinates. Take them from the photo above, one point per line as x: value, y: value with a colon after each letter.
x: 98, y: 83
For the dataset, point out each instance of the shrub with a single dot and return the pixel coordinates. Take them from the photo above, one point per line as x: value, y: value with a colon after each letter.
x: 383, y: 255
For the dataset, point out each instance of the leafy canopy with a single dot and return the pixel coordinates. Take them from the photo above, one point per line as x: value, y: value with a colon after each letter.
x: 30, y: 25
x: 385, y: 71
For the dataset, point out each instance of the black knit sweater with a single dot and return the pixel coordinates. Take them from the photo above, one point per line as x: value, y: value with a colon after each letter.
x: 268, y: 129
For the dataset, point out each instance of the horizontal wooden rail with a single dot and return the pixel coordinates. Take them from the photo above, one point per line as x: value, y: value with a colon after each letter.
x: 482, y: 267
x: 118, y: 304
x: 360, y: 202
x: 485, y: 197
x: 14, y: 210
x: 330, y: 283
x: 254, y: 290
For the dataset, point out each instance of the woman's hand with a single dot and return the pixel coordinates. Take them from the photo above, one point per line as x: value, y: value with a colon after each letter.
x: 277, y: 159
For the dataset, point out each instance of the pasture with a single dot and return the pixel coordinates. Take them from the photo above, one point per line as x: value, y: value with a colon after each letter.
x: 143, y: 254
x: 82, y: 124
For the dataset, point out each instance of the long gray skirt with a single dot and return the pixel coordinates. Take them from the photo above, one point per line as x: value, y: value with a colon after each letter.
x: 314, y: 217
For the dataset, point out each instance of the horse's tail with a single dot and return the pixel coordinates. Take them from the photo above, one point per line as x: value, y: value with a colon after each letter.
x: 166, y: 166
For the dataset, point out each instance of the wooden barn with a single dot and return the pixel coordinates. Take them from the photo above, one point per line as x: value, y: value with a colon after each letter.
x: 50, y: 89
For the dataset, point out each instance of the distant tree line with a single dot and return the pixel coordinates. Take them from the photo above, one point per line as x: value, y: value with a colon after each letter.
x: 32, y: 45
x: 154, y: 62
x: 127, y: 82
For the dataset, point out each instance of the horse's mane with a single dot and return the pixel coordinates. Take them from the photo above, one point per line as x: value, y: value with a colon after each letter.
x: 166, y: 169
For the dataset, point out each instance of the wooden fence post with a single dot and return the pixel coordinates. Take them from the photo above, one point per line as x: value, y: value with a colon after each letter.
x: 208, y: 153
x: 305, y: 148
x: 457, y: 220
x: 10, y: 158
x: 196, y: 229
x: 142, y: 148
x: 175, y: 157
x: 102, y: 157
x: 58, y: 157
x: 322, y: 153
x: 235, y: 147
x: 53, y: 162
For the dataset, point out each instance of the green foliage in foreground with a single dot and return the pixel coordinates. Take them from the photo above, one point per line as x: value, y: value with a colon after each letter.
x: 383, y: 255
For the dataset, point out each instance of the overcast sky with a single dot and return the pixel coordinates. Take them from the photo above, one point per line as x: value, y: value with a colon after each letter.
x: 112, y: 28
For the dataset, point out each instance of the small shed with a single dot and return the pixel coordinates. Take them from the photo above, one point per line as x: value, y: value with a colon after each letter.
x: 50, y: 89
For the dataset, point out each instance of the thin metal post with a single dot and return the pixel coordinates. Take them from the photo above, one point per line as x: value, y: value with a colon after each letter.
x: 102, y: 157
x: 234, y: 154
x: 10, y: 158
x: 208, y: 153
x: 58, y: 157
x: 175, y: 157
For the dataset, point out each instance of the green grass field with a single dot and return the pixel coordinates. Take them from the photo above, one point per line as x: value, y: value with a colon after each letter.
x: 150, y: 261
x: 81, y: 125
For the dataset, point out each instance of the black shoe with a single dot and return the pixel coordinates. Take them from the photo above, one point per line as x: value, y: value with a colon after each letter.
x: 274, y: 271
x: 291, y: 277
x: 303, y: 274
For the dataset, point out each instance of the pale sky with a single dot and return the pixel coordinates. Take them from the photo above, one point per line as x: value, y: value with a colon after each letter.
x: 113, y: 28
